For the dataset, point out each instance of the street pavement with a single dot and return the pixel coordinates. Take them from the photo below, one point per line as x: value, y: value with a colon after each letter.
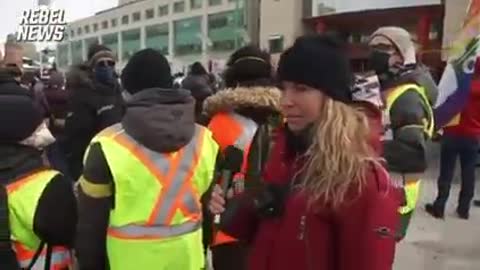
x: 450, y: 244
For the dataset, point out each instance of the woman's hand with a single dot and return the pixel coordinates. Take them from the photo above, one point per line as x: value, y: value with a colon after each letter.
x: 217, y: 201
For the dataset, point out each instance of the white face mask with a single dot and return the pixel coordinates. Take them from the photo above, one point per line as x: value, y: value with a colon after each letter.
x: 40, y: 138
x: 367, y: 89
x: 126, y: 95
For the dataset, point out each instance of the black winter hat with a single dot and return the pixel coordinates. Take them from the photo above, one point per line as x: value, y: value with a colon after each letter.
x: 95, y: 48
x: 20, y: 116
x: 321, y: 62
x: 147, y: 68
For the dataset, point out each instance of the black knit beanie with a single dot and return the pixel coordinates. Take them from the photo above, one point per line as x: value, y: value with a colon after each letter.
x: 95, y: 48
x: 320, y: 62
x: 97, y: 51
x: 147, y: 68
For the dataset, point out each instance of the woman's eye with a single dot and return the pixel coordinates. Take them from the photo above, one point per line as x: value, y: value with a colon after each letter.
x: 301, y: 88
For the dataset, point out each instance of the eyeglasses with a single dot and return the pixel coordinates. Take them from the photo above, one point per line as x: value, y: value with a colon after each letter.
x: 105, y: 63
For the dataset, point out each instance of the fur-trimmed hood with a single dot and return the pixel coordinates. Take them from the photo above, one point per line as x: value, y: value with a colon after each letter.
x: 256, y: 98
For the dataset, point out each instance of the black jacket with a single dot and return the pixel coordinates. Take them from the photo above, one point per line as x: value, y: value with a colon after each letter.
x: 92, y: 107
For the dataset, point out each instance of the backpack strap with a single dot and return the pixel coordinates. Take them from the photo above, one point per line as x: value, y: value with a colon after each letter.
x: 8, y: 258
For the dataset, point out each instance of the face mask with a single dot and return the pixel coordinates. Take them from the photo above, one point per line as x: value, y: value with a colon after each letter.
x: 379, y: 62
x: 105, y: 75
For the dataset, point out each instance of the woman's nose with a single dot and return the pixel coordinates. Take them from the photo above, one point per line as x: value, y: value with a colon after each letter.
x: 286, y: 99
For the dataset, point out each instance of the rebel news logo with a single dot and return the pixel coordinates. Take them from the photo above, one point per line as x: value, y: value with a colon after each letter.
x: 42, y: 25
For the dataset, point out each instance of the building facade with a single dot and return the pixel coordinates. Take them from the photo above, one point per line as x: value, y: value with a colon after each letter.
x: 183, y: 30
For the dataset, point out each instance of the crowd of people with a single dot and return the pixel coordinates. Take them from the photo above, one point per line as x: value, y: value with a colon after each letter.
x: 304, y: 165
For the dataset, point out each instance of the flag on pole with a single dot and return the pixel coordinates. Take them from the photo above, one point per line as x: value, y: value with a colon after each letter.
x: 454, y: 86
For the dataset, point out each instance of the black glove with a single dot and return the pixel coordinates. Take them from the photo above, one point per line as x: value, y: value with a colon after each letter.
x: 270, y: 202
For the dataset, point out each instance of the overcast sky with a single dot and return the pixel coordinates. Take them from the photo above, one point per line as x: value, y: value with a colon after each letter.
x: 75, y: 9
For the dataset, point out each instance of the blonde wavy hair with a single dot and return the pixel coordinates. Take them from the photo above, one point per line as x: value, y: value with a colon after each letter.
x: 339, y: 156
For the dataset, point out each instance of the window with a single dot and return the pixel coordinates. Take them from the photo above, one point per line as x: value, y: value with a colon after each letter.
x: 275, y: 44
x: 111, y: 41
x: 136, y: 16
x: 163, y: 10
x: 130, y: 43
x: 223, y: 31
x: 196, y: 4
x: 224, y: 45
x: 214, y: 2
x: 149, y: 13
x: 125, y: 19
x: 95, y: 27
x: 187, y: 38
x: 87, y: 29
x: 156, y: 37
x: 217, y: 22
x: 113, y: 22
x: 72, y: 33
x: 79, y: 31
x: 104, y: 24
x: 179, y: 7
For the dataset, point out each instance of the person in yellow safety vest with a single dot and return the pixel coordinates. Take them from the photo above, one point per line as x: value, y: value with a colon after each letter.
x: 140, y: 195
x: 243, y: 115
x: 37, y: 204
x: 408, y: 92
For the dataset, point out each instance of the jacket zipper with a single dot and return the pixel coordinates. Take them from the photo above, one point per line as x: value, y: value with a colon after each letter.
x: 303, y: 236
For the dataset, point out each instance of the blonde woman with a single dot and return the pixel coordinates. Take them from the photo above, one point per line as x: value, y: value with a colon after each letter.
x: 327, y: 203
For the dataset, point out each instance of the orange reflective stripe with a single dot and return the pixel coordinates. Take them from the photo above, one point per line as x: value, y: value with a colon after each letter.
x: 61, y: 257
x: 173, y: 171
x: 167, y: 184
x: 20, y: 182
x: 136, y: 151
x: 187, y: 189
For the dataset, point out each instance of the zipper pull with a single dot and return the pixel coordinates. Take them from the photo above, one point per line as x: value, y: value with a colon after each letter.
x: 303, y: 221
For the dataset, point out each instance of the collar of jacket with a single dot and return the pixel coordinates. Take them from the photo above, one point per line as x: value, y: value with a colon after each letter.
x: 261, y: 98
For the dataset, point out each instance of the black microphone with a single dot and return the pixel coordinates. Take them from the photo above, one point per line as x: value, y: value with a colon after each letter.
x: 231, y: 165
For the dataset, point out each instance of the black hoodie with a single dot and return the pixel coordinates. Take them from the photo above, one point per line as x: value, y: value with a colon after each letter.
x: 160, y: 120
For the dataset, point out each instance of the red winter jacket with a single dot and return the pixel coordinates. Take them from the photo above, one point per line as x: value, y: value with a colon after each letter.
x: 357, y: 236
x: 469, y: 125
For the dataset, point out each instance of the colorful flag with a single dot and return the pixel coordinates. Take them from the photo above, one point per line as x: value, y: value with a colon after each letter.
x: 454, y: 86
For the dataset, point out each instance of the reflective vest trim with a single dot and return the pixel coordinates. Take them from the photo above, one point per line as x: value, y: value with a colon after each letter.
x: 61, y: 258
x: 146, y: 232
x: 172, y: 171
x: 429, y: 123
x: 249, y: 129
x: 19, y: 183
